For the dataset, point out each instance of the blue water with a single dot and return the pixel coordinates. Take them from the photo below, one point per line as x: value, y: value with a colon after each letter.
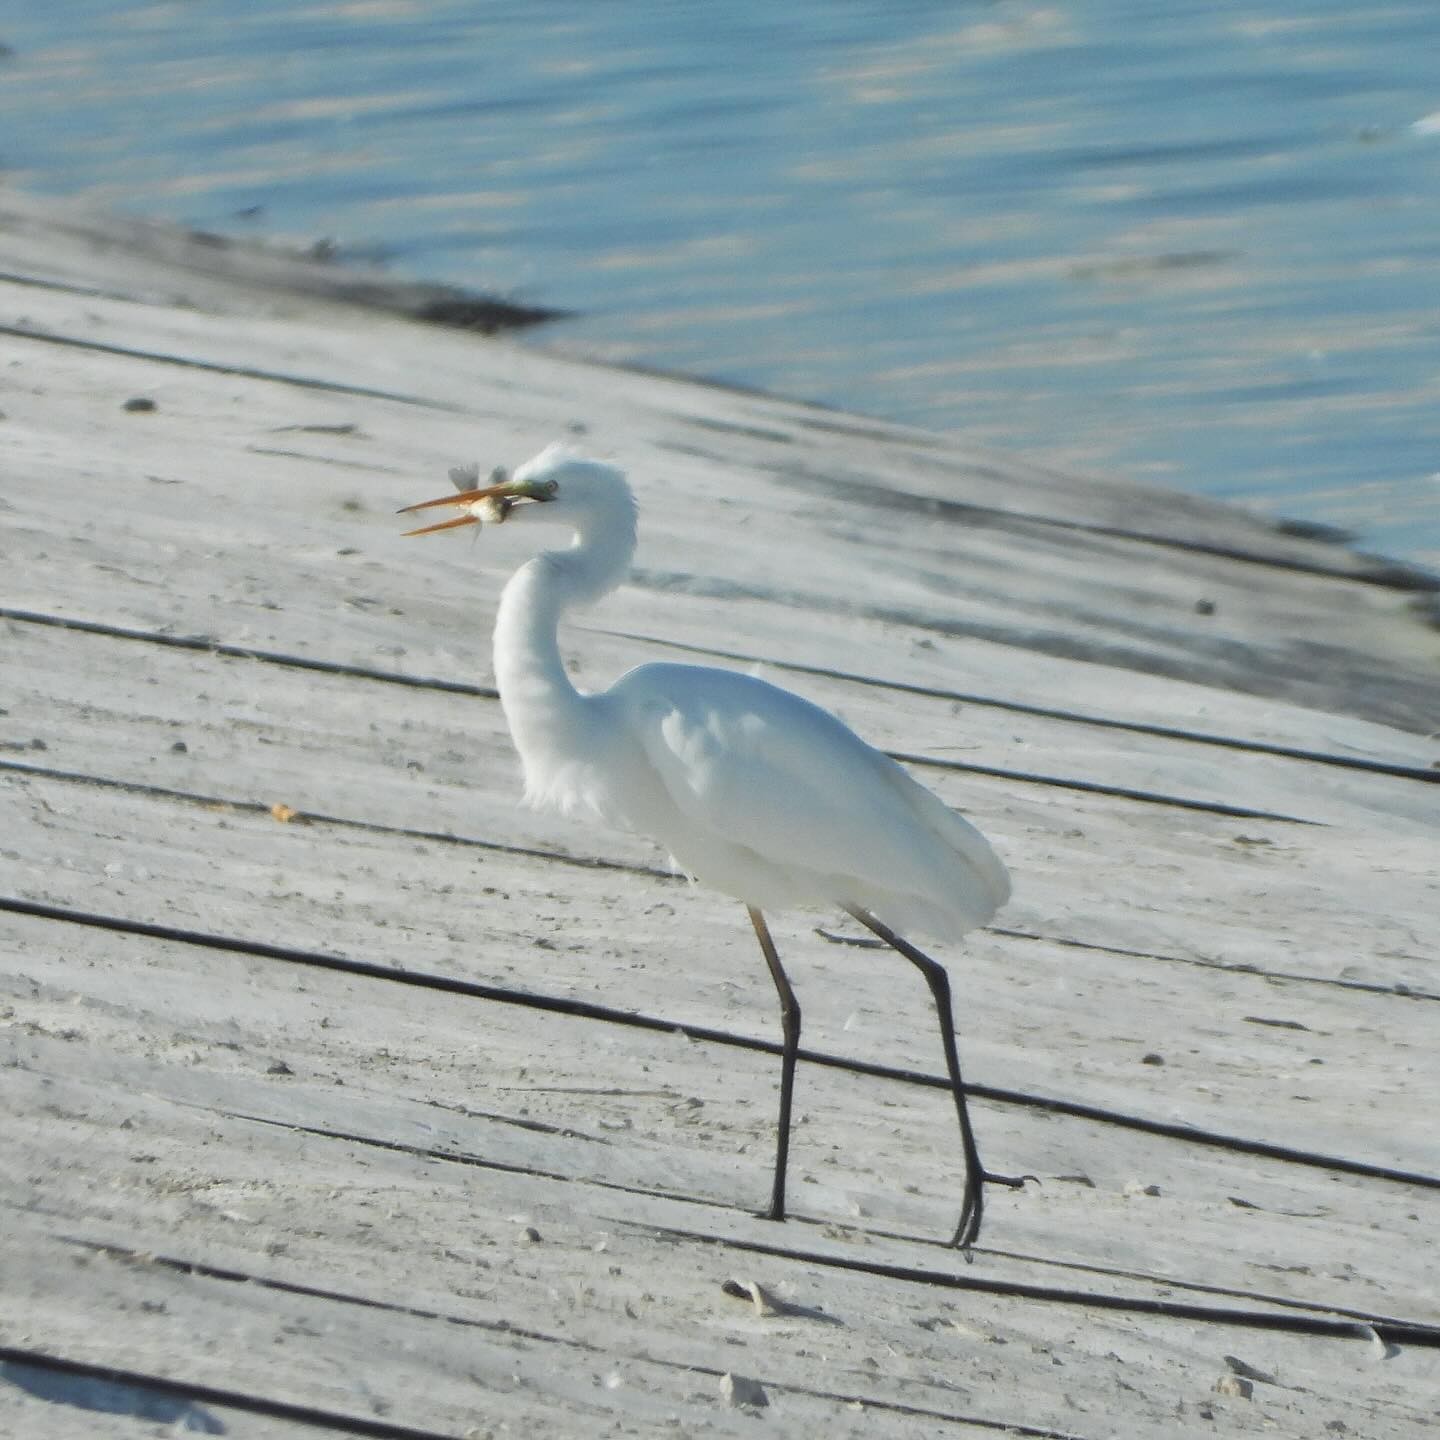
x: 1192, y: 243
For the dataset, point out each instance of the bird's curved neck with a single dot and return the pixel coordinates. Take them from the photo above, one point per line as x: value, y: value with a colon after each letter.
x: 543, y: 708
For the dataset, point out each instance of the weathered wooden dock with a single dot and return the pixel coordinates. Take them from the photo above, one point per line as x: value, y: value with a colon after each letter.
x: 341, y: 1094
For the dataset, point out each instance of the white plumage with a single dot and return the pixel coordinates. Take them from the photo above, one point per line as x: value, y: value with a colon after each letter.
x: 751, y: 789
x: 771, y: 799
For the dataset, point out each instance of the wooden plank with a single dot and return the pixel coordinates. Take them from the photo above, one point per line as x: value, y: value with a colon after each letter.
x: 335, y: 1166
x: 1084, y: 596
x: 460, y: 1247
x: 438, y: 907
x: 254, y: 736
x: 67, y: 665
x: 1032, y: 1035
x: 196, y: 1191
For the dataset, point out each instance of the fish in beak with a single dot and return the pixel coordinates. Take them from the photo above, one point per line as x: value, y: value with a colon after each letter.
x: 489, y: 504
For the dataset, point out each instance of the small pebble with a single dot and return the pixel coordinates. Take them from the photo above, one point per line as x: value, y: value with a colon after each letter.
x: 1247, y: 1371
x: 278, y: 1067
x: 1134, y: 1187
x: 179, y: 748
x: 530, y: 1235
x: 139, y: 405
x: 1152, y: 1059
x: 765, y: 1303
x: 736, y: 1390
x: 1236, y: 1386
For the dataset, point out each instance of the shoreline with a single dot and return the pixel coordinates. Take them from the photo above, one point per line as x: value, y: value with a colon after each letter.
x: 315, y: 272
x: 282, y: 267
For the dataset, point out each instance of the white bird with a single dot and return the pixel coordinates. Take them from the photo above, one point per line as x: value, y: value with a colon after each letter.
x: 752, y: 790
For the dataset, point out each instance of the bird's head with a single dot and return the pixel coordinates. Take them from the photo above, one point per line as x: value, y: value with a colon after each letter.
x: 558, y: 484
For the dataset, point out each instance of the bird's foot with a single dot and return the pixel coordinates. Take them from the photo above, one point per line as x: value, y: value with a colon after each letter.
x: 966, y: 1233
x: 972, y: 1209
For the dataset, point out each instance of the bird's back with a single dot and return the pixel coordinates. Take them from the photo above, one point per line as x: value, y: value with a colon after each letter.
x: 763, y: 795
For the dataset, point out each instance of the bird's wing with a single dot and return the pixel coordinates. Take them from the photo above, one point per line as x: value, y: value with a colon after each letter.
x: 763, y: 769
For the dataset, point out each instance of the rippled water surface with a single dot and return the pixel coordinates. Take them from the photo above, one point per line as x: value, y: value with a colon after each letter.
x: 1198, y: 243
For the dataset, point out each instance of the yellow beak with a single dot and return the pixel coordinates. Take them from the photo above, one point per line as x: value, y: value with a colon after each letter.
x: 467, y: 498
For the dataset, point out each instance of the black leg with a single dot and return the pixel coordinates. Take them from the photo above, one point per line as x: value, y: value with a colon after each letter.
x: 972, y: 1206
x: 790, y: 1029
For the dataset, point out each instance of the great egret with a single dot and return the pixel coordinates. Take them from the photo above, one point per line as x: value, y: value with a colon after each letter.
x: 753, y: 790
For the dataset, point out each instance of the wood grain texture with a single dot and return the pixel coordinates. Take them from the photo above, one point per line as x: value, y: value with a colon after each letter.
x: 341, y: 1092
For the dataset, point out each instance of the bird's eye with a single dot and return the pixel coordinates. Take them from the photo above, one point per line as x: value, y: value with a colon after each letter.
x: 550, y: 489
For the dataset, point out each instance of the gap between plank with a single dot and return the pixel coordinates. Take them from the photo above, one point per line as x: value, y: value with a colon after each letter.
x: 588, y: 862
x: 1378, y: 570
x: 1014, y: 1289
x: 1406, y: 1332
x: 312, y: 817
x: 215, y: 367
x: 356, y: 1426
x: 469, y: 1159
x: 589, y: 1010
x: 195, y: 1390
x: 1345, y: 1324
x: 330, y: 667
x: 1047, y: 712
